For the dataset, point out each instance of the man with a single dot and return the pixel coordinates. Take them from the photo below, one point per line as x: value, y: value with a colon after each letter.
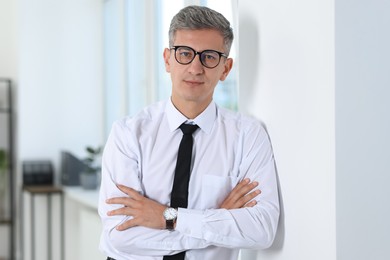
x: 231, y: 157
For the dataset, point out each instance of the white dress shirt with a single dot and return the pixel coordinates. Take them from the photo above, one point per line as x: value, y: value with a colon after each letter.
x: 141, y: 153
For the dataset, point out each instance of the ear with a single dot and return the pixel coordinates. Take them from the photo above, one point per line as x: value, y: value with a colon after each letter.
x: 167, y: 57
x: 227, y: 66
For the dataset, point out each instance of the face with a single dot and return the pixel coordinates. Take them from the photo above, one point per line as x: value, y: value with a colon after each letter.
x: 193, y: 83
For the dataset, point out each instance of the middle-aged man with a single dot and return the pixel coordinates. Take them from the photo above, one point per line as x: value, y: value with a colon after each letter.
x: 221, y: 208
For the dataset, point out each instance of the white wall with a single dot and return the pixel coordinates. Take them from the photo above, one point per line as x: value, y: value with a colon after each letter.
x: 363, y: 127
x: 60, y: 77
x: 287, y: 80
x: 52, y: 50
x: 60, y: 81
x: 8, y: 42
x: 317, y: 73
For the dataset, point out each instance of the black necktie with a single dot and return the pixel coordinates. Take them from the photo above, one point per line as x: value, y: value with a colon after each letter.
x: 179, y: 195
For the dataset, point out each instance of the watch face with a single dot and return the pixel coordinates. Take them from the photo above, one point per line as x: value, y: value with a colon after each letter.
x: 170, y: 213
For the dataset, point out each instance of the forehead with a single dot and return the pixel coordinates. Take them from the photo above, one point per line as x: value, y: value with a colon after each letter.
x: 200, y: 39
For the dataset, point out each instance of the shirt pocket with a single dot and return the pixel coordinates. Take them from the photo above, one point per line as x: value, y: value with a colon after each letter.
x: 215, y: 189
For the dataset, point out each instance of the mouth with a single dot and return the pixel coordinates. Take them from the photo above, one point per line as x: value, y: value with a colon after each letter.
x: 193, y: 83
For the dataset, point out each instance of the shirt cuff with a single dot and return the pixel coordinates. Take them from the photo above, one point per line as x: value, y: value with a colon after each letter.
x: 190, y: 222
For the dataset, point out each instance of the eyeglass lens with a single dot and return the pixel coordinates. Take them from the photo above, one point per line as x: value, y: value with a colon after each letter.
x: 208, y: 58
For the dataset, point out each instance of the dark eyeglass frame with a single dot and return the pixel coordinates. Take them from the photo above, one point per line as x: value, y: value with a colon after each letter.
x: 200, y: 53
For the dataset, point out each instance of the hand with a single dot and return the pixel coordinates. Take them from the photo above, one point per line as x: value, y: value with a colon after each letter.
x: 145, y: 212
x: 241, y: 195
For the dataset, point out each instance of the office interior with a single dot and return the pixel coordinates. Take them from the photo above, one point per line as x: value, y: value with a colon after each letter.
x: 316, y: 72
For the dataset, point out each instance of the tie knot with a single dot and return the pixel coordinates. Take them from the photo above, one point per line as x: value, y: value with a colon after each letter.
x: 188, y: 129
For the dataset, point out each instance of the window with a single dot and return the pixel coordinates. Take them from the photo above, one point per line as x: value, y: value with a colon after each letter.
x: 135, y: 35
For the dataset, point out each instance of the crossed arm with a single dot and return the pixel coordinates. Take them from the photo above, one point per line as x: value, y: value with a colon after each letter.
x: 134, y: 224
x: 149, y: 213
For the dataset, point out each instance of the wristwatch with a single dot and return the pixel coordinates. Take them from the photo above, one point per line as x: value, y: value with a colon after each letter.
x: 170, y: 215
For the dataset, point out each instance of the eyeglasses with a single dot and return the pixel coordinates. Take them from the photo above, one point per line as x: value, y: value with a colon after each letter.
x: 209, y: 58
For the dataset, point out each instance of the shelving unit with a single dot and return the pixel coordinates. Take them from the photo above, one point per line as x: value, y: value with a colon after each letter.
x: 7, y: 201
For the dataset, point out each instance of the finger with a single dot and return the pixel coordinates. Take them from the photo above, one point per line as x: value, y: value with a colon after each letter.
x: 237, y: 188
x: 244, y: 188
x: 249, y: 187
x: 124, y: 189
x: 241, y: 191
x: 126, y: 201
x: 241, y: 184
x: 127, y: 224
x: 250, y: 204
x: 247, y: 198
x: 121, y: 211
x: 129, y: 191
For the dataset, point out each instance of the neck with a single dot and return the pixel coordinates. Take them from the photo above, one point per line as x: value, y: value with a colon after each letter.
x: 190, y: 109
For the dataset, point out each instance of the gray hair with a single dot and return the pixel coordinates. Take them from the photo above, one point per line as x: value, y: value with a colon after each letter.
x: 200, y: 17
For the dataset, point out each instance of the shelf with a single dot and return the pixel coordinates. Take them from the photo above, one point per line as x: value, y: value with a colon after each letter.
x: 43, y: 189
x: 7, y: 140
x: 89, y: 198
x: 5, y: 221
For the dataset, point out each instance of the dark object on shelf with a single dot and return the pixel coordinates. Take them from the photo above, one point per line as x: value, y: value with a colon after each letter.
x: 37, y: 173
x: 71, y: 168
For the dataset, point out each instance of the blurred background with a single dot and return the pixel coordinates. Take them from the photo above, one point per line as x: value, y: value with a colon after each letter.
x: 316, y: 72
x: 73, y: 67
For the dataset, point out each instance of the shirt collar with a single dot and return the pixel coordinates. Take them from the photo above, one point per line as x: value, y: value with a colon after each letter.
x: 205, y: 120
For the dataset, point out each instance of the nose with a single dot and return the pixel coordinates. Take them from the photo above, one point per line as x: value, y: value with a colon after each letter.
x: 196, y: 66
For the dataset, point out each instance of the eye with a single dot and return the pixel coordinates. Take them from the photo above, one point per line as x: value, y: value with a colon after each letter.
x: 210, y: 56
x: 185, y: 53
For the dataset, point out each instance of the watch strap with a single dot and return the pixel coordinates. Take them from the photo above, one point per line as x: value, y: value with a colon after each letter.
x: 170, y: 224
